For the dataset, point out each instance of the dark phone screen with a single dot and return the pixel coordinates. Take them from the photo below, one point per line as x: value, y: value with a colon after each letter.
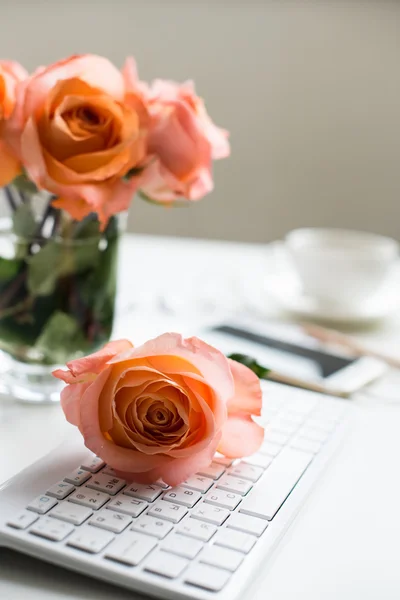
x: 323, y: 363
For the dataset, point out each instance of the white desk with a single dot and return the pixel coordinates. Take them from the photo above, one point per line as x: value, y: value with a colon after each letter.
x: 343, y: 544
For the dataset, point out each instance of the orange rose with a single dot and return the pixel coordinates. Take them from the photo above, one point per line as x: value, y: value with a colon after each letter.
x: 79, y: 130
x: 161, y: 410
x: 10, y: 74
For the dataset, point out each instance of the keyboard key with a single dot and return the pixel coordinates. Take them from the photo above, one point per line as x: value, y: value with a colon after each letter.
x: 321, y: 424
x: 235, y: 540
x: 23, y: 520
x: 165, y: 564
x: 276, y: 484
x: 301, y: 443
x: 233, y: 484
x: 130, y: 548
x: 198, y: 483
x: 109, y: 471
x: 180, y: 495
x: 313, y: 434
x: 246, y: 471
x: 87, y: 497
x: 268, y: 414
x: 42, y: 504
x: 304, y: 403
x: 71, y: 513
x: 270, y: 449
x: 214, y: 471
x: 93, y: 464
x: 90, y: 539
x: 182, y: 546
x: 105, y: 483
x: 162, y: 484
x: 294, y: 418
x: 222, y: 558
x: 258, y: 460
x: 129, y: 506
x: 168, y: 511
x: 196, y: 529
x: 247, y: 524
x: 77, y: 477
x: 51, y: 529
x: 207, y: 577
x: 276, y: 437
x: 223, y: 499
x: 60, y: 490
x: 111, y: 521
x: 210, y: 514
x: 222, y: 460
x: 287, y: 424
x: 152, y: 526
x: 328, y: 409
x: 143, y: 492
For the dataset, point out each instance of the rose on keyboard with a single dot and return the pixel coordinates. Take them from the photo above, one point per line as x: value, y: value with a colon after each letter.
x: 163, y: 409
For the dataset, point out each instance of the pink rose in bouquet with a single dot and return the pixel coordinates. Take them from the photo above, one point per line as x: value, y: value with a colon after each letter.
x: 184, y: 141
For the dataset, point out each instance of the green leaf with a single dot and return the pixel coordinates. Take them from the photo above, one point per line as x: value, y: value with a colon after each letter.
x: 252, y: 364
x: 87, y: 228
x: 9, y: 268
x: 99, y: 288
x: 132, y: 172
x: 23, y: 183
x: 24, y: 224
x: 57, y: 259
x: 82, y: 257
x: 61, y: 338
x: 43, y: 269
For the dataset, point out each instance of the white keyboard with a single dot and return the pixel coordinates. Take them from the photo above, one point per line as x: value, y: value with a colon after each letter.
x: 204, y: 539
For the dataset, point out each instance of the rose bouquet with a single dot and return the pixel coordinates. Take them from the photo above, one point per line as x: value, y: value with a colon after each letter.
x: 163, y: 409
x: 77, y: 140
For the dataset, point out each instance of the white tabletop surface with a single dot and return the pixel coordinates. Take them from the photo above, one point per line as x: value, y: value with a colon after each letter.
x: 345, y: 541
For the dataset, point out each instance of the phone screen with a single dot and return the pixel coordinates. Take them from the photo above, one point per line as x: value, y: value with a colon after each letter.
x: 280, y: 355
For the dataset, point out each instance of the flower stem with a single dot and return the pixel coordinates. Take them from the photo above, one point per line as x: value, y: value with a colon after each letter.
x: 13, y: 310
x: 10, y: 198
x: 12, y: 289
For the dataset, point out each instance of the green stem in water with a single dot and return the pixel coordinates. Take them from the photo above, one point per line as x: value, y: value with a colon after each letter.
x: 10, y: 199
x: 14, y: 310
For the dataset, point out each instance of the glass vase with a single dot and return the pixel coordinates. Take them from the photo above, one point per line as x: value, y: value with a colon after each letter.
x: 57, y: 292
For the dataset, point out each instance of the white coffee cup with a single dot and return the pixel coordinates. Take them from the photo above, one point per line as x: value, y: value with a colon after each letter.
x: 341, y: 266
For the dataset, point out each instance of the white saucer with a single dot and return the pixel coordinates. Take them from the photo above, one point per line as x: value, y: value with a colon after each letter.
x: 282, y: 286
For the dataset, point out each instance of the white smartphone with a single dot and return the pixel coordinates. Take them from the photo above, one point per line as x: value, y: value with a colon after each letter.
x: 295, y: 358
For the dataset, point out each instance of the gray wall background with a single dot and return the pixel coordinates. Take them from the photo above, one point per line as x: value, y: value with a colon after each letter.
x: 309, y: 90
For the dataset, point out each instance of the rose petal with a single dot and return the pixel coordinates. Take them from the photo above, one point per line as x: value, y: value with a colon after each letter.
x: 10, y: 166
x: 209, y: 361
x: 178, y: 470
x: 162, y: 186
x: 96, y: 71
x: 70, y: 402
x: 248, y: 395
x: 179, y: 142
x: 123, y: 459
x: 106, y: 199
x: 77, y: 208
x: 241, y: 436
x: 94, y: 363
x: 130, y: 74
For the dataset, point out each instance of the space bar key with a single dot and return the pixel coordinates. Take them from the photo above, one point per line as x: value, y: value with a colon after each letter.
x: 276, y: 484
